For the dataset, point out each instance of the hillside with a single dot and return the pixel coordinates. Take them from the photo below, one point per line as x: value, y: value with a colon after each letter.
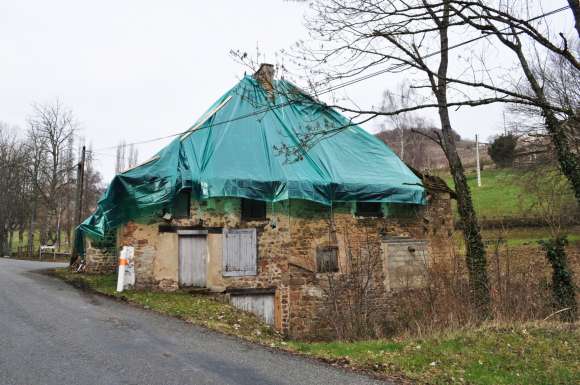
x: 500, y: 198
x: 499, y: 194
x: 424, y: 154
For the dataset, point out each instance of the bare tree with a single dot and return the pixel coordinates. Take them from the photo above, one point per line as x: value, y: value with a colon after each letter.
x: 51, y: 131
x: 127, y: 156
x: 35, y: 147
x: 93, y: 186
x: 403, y: 124
x: 508, y: 22
x: 120, y: 160
x: 13, y: 163
x: 133, y: 158
x: 353, y: 37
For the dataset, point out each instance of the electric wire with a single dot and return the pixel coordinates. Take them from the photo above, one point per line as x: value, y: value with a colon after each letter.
x: 327, y: 90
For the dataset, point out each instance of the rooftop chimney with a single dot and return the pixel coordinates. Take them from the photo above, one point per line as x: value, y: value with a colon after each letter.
x: 265, y: 76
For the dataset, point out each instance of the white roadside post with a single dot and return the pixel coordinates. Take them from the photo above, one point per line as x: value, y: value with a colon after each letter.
x: 130, y: 268
x: 122, y: 266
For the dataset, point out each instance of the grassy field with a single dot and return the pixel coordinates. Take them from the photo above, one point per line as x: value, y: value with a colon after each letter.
x: 500, y: 194
x: 15, y: 241
x: 531, y: 354
x: 526, y: 236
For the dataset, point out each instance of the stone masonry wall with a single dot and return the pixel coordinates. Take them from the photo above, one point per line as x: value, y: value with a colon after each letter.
x: 287, y: 243
x: 273, y: 245
x: 310, y: 308
x: 99, y: 261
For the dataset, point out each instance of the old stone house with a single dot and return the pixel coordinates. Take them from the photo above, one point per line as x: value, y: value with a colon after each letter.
x: 253, y: 202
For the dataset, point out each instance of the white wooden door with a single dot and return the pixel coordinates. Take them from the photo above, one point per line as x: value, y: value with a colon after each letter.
x: 261, y: 305
x: 192, y: 260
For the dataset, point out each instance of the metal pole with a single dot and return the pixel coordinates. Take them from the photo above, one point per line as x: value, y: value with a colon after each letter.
x: 477, y: 161
x: 81, y: 187
x: 79, y: 200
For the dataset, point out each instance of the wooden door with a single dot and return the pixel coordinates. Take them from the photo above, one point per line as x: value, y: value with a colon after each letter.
x: 261, y: 305
x: 192, y: 260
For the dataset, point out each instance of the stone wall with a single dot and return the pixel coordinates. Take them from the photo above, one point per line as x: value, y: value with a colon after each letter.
x: 98, y: 261
x: 311, y: 226
x: 287, y: 242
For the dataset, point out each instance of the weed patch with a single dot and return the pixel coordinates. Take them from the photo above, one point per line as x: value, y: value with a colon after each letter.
x: 490, y: 355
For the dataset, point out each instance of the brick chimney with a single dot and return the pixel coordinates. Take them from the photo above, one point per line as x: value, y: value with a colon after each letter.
x: 265, y: 76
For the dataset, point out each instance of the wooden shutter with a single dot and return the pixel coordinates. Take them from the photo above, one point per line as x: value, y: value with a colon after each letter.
x: 239, y: 252
x: 327, y: 259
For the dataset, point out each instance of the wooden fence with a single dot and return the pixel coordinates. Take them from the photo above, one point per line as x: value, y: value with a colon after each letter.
x: 22, y: 252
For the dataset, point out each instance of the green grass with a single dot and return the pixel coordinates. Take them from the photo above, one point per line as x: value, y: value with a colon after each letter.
x: 201, y: 310
x: 498, y: 195
x: 531, y: 354
x: 16, y: 242
x: 492, y: 355
x: 501, y: 195
x: 527, y: 236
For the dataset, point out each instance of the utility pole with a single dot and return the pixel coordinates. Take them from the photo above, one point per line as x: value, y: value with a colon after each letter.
x: 477, y: 161
x: 79, y: 200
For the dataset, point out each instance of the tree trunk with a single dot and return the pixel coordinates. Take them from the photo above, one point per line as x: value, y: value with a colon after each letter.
x: 10, y: 239
x: 32, y: 229
x: 475, y: 251
x: 567, y: 159
x: 58, y: 235
x: 21, y: 234
x: 3, y: 241
x: 562, y: 284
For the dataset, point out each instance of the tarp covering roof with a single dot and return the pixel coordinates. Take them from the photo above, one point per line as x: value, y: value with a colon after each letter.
x: 245, y: 146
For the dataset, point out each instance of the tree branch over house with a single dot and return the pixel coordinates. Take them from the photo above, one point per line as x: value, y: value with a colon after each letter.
x: 508, y: 24
x: 412, y: 35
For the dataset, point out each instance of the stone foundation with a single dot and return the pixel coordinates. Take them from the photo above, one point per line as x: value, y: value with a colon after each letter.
x: 287, y: 244
x: 98, y: 261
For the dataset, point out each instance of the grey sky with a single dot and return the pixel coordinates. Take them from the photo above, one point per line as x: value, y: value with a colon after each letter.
x: 136, y: 69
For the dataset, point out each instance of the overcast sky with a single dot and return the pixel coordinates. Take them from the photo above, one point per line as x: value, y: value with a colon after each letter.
x: 137, y: 69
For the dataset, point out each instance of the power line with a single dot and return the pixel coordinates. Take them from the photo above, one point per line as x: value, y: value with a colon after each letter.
x: 401, y: 65
x: 336, y: 87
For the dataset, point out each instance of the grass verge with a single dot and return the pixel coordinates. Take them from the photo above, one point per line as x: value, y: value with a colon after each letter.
x: 202, y: 310
x: 531, y: 354
x: 490, y: 355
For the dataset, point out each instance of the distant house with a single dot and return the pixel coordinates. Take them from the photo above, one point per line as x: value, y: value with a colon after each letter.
x: 235, y: 205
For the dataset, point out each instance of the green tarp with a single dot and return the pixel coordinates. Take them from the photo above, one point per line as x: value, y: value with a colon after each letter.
x: 243, y: 147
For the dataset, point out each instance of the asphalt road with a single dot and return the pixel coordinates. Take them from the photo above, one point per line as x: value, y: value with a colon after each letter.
x: 51, y: 333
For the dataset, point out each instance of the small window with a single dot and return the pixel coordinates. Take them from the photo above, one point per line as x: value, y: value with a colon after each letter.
x: 253, y: 210
x: 369, y: 209
x: 402, y: 210
x: 327, y: 259
x: 182, y: 204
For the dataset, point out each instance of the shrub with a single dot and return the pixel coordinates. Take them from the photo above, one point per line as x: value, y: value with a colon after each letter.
x: 502, y: 150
